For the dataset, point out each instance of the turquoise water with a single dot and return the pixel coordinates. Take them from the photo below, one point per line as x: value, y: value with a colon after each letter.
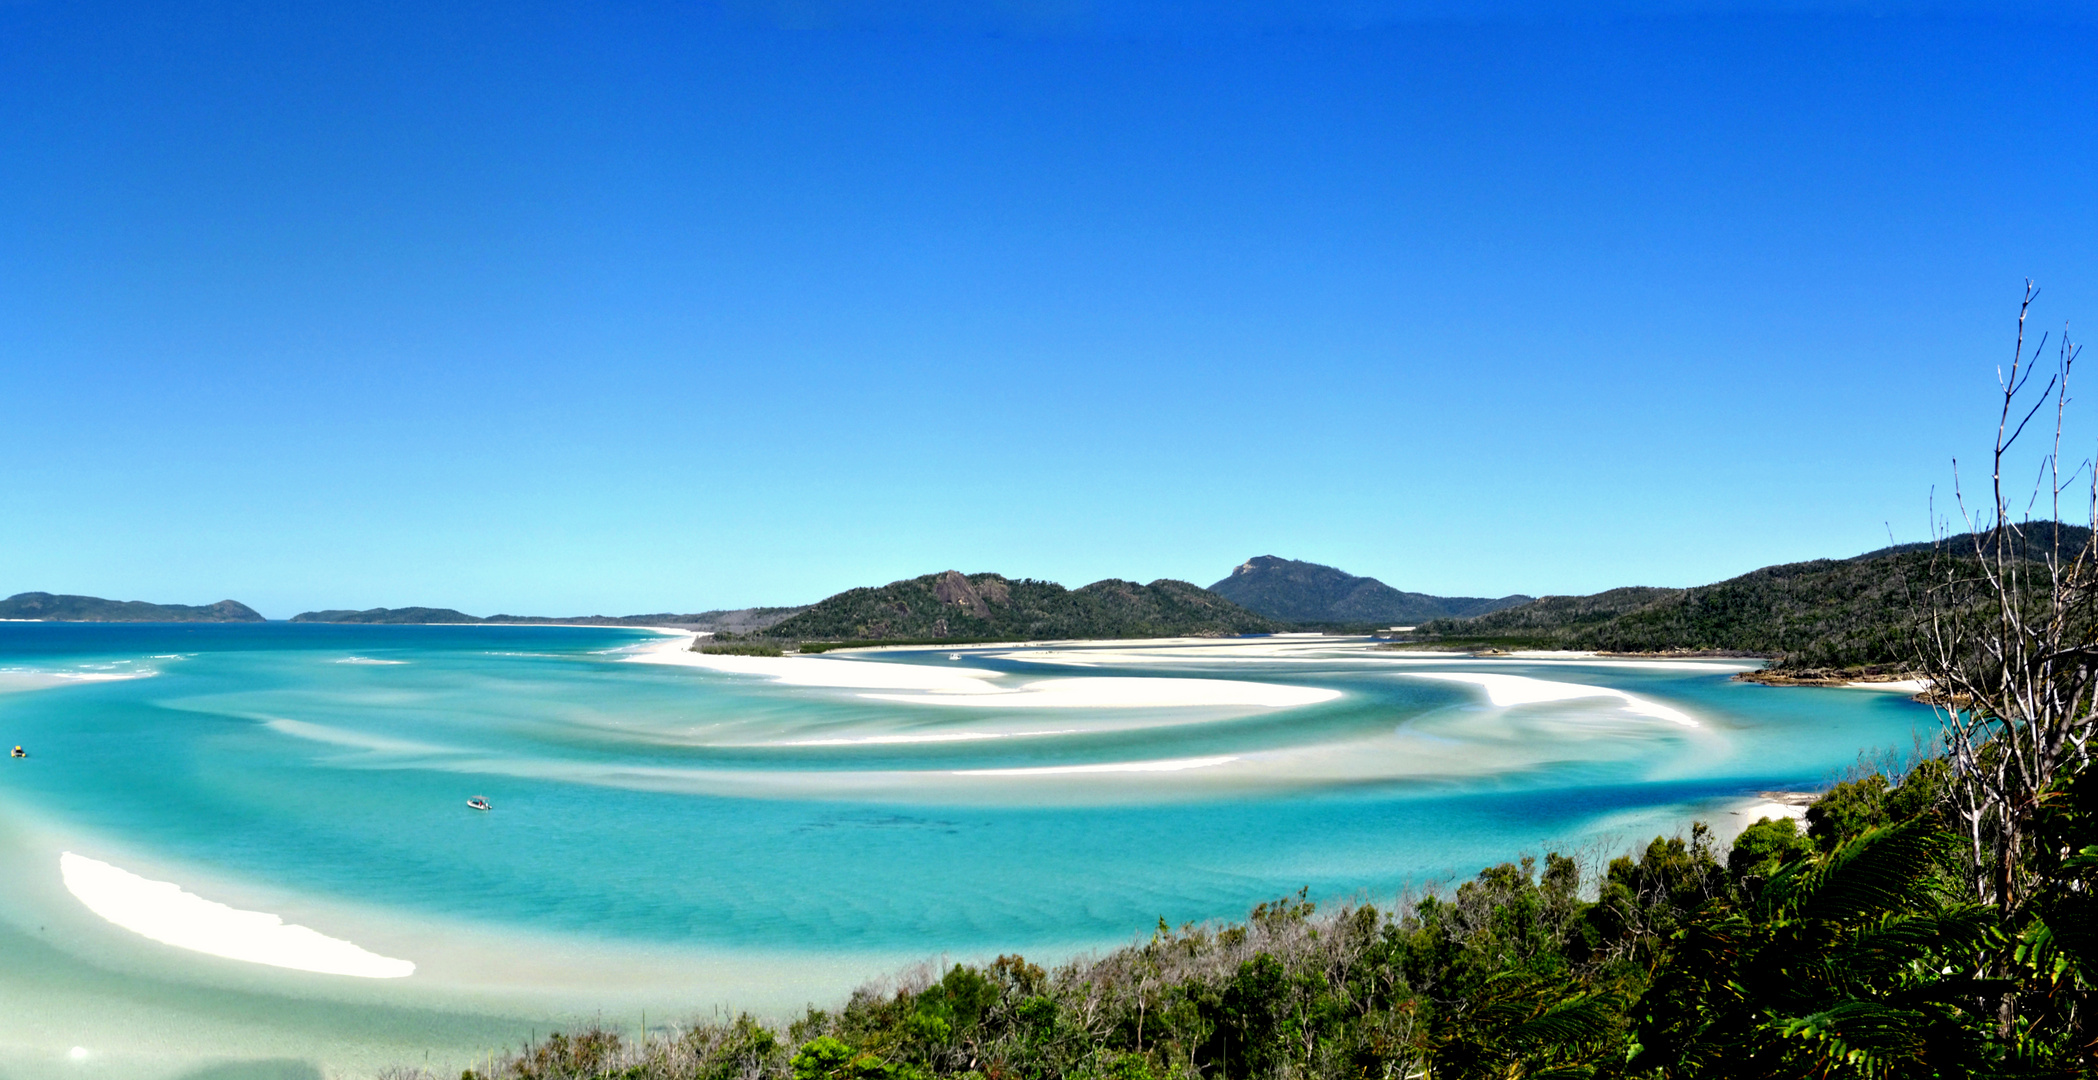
x: 772, y: 837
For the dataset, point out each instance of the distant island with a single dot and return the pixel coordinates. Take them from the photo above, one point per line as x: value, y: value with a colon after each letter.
x: 729, y: 621
x: 1308, y: 593
x: 50, y: 608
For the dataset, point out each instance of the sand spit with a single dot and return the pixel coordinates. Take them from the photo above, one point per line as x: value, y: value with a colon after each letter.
x: 925, y: 684
x: 1508, y: 690
x: 25, y: 679
x: 162, y: 911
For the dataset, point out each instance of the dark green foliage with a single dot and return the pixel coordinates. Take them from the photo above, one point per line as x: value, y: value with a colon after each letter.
x: 1765, y: 846
x: 1823, y: 614
x: 826, y: 1058
x: 1524, y: 1025
x: 1834, y: 969
x: 1504, y: 976
x: 1847, y: 810
x: 1302, y: 592
x: 1641, y: 903
x: 43, y: 605
x: 953, y: 607
x: 1854, y: 806
x: 1548, y: 620
x: 2056, y: 955
x: 739, y: 648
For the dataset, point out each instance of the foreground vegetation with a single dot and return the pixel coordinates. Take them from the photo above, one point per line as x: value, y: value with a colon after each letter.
x: 738, y: 648
x: 1855, y: 948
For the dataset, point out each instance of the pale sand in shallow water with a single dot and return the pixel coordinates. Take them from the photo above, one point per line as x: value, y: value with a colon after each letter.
x: 924, y: 684
x: 1507, y: 690
x: 162, y: 911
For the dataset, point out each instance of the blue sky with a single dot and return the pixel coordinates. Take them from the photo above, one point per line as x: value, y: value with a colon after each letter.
x: 560, y: 308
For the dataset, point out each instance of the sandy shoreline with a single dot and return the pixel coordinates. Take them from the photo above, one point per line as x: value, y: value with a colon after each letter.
x: 1775, y: 805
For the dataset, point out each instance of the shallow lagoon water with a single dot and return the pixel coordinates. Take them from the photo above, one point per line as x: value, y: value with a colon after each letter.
x: 760, y: 834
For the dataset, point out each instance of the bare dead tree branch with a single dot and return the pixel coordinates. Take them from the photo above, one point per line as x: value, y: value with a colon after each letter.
x: 2009, y: 642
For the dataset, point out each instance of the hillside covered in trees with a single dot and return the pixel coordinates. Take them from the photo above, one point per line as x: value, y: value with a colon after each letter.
x: 47, y: 607
x: 1824, y: 613
x: 953, y: 605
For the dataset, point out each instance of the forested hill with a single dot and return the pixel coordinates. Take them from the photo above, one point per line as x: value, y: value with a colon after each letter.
x: 43, y: 605
x: 1307, y: 592
x: 1825, y: 613
x: 980, y: 606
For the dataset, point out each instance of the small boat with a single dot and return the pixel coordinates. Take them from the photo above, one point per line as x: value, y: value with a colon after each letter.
x: 19, y: 752
x: 479, y: 803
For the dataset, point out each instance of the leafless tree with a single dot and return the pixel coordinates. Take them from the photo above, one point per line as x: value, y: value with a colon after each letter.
x: 2007, y: 636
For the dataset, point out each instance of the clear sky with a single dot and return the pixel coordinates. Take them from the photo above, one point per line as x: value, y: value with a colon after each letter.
x: 550, y: 307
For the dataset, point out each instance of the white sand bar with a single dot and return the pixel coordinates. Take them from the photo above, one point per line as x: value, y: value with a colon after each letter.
x: 923, y: 684
x: 1165, y: 765
x: 1902, y: 686
x: 162, y: 911
x: 1507, y: 690
x: 1089, y: 692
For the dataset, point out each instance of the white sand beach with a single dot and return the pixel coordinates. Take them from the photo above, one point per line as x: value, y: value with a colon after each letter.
x: 1898, y: 686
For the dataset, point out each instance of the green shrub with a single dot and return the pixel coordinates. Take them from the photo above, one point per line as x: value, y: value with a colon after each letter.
x: 741, y: 648
x: 1763, y: 847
